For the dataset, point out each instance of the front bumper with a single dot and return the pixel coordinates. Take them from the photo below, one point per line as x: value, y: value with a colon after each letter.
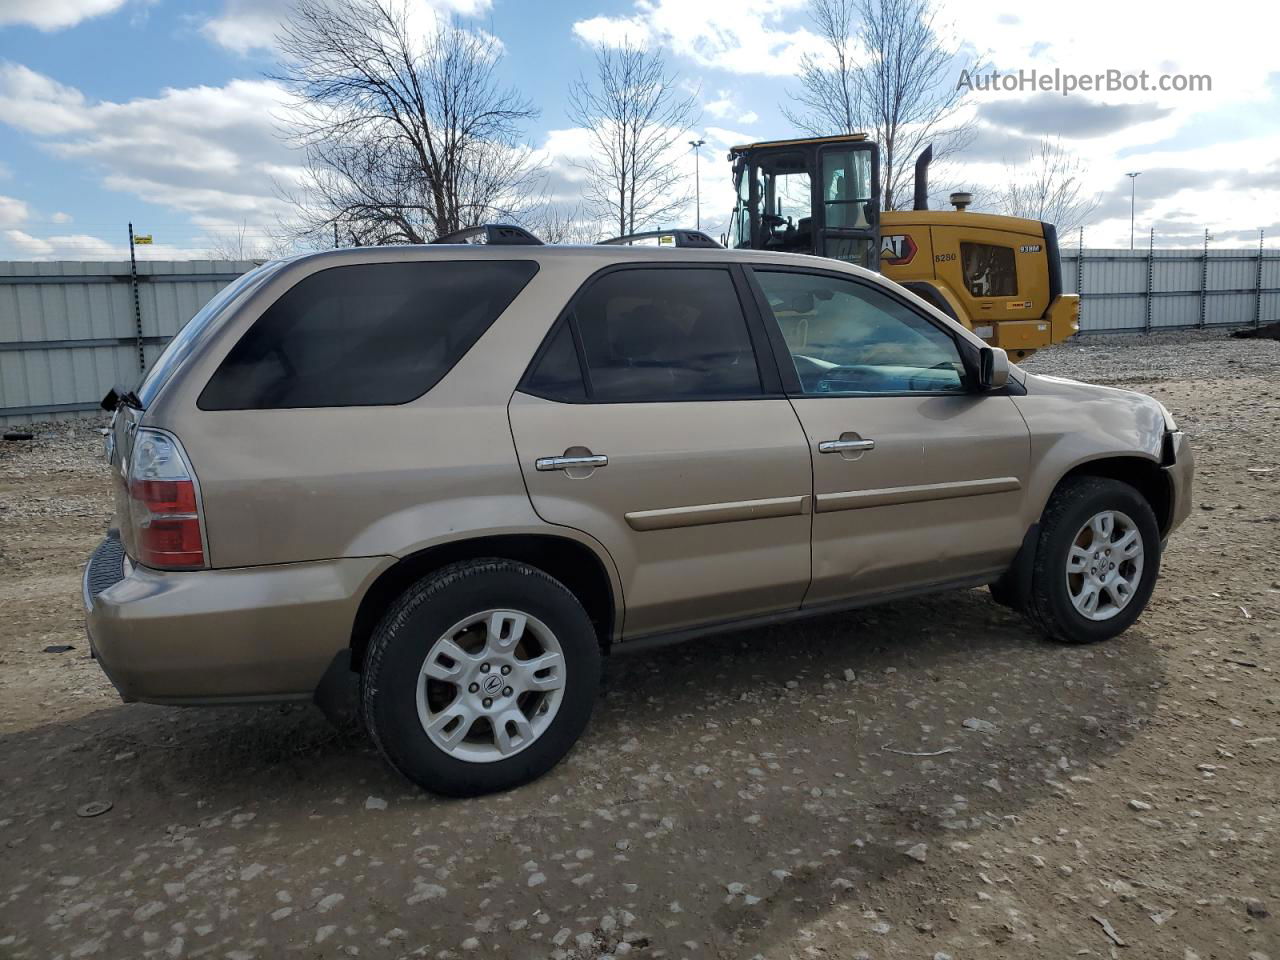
x: 221, y: 636
x: 1180, y: 472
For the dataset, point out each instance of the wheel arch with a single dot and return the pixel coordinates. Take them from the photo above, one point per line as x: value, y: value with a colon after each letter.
x: 1143, y: 474
x: 575, y: 564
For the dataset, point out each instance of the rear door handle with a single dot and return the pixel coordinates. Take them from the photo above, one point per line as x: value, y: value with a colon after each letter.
x: 841, y: 446
x: 568, y: 463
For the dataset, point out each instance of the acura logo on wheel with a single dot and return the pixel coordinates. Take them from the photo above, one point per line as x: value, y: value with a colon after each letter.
x: 492, y: 683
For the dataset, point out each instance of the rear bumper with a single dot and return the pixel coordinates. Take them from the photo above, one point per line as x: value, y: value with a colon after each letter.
x: 221, y: 636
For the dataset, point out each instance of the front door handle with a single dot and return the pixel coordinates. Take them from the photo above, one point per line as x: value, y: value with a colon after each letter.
x: 569, y: 463
x: 844, y: 446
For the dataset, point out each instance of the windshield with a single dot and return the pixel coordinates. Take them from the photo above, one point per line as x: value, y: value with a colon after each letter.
x: 197, y: 330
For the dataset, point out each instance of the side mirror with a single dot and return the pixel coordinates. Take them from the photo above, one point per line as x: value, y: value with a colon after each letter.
x: 993, y: 368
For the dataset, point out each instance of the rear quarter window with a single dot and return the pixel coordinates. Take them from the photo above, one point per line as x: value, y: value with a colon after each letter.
x: 365, y: 334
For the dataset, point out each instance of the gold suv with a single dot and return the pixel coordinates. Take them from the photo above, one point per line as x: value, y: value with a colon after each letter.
x: 457, y: 475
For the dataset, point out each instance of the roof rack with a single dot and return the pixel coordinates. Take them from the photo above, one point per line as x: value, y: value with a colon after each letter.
x: 498, y: 234
x: 678, y: 238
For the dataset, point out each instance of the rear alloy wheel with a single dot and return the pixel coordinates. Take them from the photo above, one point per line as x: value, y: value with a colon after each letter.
x: 491, y: 685
x: 1096, y: 560
x: 481, y: 677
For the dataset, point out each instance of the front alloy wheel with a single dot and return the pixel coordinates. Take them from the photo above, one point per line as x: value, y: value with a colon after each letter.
x: 1104, y: 565
x: 1096, y: 561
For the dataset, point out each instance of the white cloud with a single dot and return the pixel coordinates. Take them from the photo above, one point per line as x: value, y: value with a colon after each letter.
x: 248, y: 25
x: 54, y: 14
x: 739, y: 36
x: 721, y: 107
x: 12, y: 211
x: 615, y: 31
x: 204, y: 150
x: 28, y: 246
x: 38, y: 104
x: 20, y: 245
x: 60, y: 217
x: 748, y: 118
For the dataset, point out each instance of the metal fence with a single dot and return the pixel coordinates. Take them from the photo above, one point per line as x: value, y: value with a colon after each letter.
x: 1151, y: 289
x: 69, y: 330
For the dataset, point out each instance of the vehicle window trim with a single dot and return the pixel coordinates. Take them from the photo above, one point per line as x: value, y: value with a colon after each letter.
x: 782, y: 353
x: 771, y: 386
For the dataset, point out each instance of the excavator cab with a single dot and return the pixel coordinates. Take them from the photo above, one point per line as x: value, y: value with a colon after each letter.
x: 817, y: 196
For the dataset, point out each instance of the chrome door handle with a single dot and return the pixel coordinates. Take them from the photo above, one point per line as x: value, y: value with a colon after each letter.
x: 567, y: 463
x: 840, y: 446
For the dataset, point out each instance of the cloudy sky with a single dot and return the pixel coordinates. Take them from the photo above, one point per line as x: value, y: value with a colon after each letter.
x: 159, y: 111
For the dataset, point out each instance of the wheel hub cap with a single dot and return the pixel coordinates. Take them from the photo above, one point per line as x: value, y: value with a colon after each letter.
x: 1104, y: 565
x: 491, y: 685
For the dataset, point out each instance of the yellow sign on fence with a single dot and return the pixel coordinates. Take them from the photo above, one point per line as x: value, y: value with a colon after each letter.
x: 142, y: 238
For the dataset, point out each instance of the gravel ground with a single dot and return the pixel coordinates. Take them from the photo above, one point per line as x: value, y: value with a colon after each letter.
x: 923, y: 779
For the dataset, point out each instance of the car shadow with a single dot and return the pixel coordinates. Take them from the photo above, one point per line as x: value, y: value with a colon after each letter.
x: 755, y: 780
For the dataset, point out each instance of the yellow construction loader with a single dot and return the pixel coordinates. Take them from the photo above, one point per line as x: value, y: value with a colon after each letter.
x: 999, y: 276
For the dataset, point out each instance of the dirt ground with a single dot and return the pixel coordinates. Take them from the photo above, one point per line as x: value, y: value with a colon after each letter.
x: 755, y: 795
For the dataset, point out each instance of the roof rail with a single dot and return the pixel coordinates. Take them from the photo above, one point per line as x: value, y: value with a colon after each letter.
x: 678, y: 237
x: 498, y: 234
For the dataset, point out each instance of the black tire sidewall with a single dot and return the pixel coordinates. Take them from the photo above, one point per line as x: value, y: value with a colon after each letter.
x: 431, y: 607
x: 1074, y: 506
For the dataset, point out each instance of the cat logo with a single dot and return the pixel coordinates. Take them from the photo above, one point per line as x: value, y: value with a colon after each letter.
x: 897, y: 249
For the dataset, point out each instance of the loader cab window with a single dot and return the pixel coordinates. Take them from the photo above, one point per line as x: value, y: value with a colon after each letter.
x: 784, y: 191
x: 846, y: 188
x: 787, y: 218
x: 989, y: 270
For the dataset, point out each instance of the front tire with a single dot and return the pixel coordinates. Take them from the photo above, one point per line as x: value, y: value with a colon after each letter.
x: 1096, y: 561
x: 480, y: 678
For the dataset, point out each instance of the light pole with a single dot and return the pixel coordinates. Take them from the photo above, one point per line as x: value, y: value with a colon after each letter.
x: 1132, y: 177
x: 697, y: 177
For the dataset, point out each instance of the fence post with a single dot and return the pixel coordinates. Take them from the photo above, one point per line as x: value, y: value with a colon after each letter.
x: 1257, y: 296
x: 1080, y: 280
x: 137, y: 303
x: 1204, y: 277
x: 1151, y: 249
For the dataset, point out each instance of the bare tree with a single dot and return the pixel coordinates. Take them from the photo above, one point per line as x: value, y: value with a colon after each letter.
x: 408, y: 133
x: 636, y: 116
x: 886, y: 71
x: 557, y: 223
x: 1048, y: 187
x: 241, y: 244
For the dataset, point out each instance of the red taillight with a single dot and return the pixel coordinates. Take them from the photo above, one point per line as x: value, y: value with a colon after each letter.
x: 163, y: 505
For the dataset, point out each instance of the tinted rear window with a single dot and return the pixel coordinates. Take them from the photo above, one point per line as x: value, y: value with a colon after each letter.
x: 197, y: 330
x: 365, y: 335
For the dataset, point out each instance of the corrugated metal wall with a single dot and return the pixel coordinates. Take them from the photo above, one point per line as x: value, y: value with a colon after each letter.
x: 1140, y: 290
x: 68, y: 330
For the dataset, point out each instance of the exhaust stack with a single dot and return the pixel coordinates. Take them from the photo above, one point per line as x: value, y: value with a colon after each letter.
x: 922, y: 178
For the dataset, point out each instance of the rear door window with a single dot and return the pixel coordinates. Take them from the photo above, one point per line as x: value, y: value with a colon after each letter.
x: 365, y: 334
x: 661, y: 334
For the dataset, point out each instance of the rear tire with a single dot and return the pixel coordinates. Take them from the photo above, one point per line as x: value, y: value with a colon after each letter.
x: 1096, y: 561
x: 452, y: 636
